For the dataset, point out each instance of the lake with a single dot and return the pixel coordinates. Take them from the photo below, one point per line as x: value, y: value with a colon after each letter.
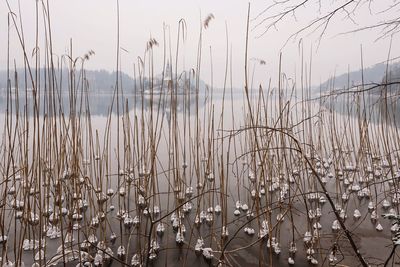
x: 197, y: 179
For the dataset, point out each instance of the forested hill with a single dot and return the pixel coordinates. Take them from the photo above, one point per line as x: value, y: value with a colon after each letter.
x: 98, y: 80
x: 373, y: 74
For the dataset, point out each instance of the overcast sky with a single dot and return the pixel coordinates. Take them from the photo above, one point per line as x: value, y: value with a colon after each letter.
x: 92, y: 24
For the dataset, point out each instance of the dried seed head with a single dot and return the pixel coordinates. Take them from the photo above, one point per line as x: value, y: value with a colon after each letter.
x: 207, y: 20
x: 152, y: 42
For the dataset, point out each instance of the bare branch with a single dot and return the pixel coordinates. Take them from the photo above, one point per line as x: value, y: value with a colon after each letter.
x: 320, y: 24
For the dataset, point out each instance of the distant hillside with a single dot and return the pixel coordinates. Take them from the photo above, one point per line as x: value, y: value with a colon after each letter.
x: 373, y: 74
x: 100, y: 81
x: 392, y: 77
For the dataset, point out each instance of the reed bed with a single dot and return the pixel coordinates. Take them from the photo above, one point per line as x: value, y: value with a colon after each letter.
x: 180, y: 175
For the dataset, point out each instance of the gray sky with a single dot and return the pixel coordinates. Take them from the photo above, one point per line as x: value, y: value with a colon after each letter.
x: 92, y: 25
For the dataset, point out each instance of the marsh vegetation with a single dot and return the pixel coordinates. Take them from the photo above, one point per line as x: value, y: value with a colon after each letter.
x: 167, y: 174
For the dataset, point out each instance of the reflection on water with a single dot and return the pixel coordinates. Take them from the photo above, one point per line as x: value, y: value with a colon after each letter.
x: 374, y: 108
x: 102, y: 104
